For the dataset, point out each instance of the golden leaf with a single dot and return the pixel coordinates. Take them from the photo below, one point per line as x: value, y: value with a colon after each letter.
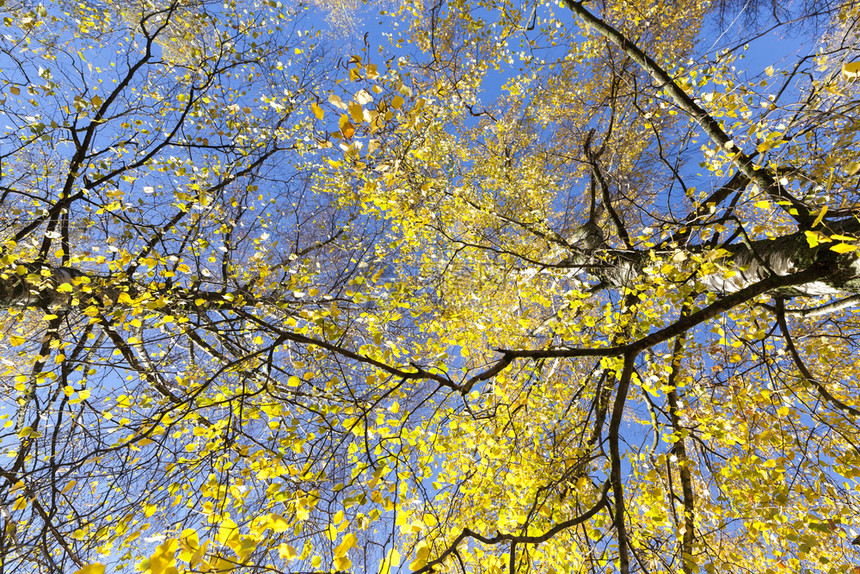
x: 843, y: 248
x: 851, y: 70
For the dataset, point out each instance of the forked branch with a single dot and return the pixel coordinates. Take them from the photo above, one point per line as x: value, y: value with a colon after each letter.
x: 601, y: 503
x: 761, y: 177
x: 804, y: 371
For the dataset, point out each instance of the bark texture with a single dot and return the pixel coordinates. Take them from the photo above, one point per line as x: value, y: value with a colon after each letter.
x: 743, y: 265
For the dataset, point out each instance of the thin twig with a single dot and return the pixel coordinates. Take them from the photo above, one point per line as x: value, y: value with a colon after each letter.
x: 789, y: 344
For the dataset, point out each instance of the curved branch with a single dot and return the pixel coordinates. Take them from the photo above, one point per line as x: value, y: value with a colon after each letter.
x: 681, y: 325
x: 815, y: 272
x: 512, y: 538
x: 597, y: 174
x: 789, y: 344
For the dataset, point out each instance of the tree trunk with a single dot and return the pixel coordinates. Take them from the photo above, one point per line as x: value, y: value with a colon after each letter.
x: 743, y: 265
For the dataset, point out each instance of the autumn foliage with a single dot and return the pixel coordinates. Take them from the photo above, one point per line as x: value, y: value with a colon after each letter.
x: 499, y: 287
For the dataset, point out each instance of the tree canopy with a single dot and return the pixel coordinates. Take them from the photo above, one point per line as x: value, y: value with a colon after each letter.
x: 503, y: 287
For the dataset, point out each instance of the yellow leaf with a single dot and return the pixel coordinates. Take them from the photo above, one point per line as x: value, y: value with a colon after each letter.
x: 337, y: 102
x: 348, y: 542
x: 318, y: 111
x: 397, y: 102
x: 227, y: 531
x: 198, y: 554
x: 91, y: 569
x: 346, y: 128
x: 363, y: 97
x: 763, y: 204
x: 79, y: 534
x: 286, y: 552
x: 16, y: 340
x: 843, y: 248
x: 422, y: 551
x: 278, y: 523
x: 189, y: 542
x: 391, y: 561
x: 331, y: 532
x: 124, y: 298
x: 852, y: 167
x: 69, y: 486
x: 813, y: 238
x: 64, y: 288
x: 219, y: 565
x: 355, y: 112
x: 15, y: 90
x: 243, y: 547
x: 820, y: 216
x: 851, y: 70
x: 163, y: 560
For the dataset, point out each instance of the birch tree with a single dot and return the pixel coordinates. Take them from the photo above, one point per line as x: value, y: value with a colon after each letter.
x: 530, y: 287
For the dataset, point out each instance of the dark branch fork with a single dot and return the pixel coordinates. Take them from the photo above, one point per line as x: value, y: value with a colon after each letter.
x: 514, y: 539
x: 758, y: 175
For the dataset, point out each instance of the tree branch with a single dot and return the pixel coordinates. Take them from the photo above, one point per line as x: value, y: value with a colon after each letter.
x: 512, y: 538
x: 789, y: 344
x: 679, y: 448
x: 597, y: 174
x: 711, y: 126
x: 825, y: 309
x: 681, y: 325
x: 615, y: 458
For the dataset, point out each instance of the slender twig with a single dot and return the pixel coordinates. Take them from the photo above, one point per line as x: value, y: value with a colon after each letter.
x: 792, y: 350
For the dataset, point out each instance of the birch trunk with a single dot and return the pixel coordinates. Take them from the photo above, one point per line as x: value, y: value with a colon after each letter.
x: 745, y: 265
